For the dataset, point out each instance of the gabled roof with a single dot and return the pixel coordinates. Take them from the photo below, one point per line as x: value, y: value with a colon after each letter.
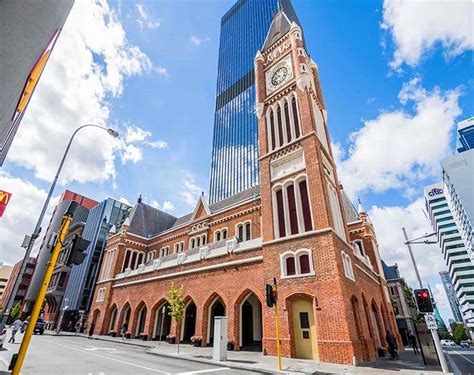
x: 147, y: 221
x: 202, y: 209
x: 349, y: 209
x: 280, y: 26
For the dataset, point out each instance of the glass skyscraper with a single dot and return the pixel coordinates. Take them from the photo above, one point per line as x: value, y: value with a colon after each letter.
x: 465, y: 139
x: 234, y: 164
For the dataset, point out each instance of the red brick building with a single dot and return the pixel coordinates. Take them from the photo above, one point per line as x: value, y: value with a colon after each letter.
x: 297, y: 226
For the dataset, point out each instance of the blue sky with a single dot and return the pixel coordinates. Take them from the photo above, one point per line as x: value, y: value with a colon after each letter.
x: 394, y: 88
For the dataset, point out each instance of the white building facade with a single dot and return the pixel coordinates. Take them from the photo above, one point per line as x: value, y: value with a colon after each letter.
x: 459, y: 263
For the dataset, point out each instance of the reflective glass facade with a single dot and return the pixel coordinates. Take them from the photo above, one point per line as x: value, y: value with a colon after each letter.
x: 234, y: 164
x: 80, y: 286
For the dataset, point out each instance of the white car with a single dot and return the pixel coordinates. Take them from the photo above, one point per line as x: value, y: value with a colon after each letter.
x: 448, y: 343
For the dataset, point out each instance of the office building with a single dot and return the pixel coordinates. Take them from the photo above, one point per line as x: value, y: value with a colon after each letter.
x: 234, y: 163
x: 80, y: 215
x: 402, y: 301
x: 29, y: 29
x: 460, y: 265
x: 465, y: 135
x: 5, y: 272
x: 108, y: 214
x: 297, y: 227
x: 458, y: 181
x: 451, y: 294
x: 24, y: 284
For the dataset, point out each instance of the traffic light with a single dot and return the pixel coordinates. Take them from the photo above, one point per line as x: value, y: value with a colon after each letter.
x: 423, y: 300
x: 77, y: 253
x: 271, y: 295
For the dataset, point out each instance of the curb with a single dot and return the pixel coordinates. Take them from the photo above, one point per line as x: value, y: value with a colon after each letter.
x: 175, y: 356
x: 217, y: 363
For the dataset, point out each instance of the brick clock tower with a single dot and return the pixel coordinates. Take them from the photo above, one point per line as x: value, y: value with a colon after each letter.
x: 331, y: 301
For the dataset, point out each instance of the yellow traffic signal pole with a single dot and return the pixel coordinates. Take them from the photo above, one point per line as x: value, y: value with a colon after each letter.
x: 39, y: 300
x: 277, y: 327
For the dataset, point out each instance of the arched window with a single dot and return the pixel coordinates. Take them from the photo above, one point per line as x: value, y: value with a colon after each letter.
x: 240, y: 232
x: 126, y: 260
x: 280, y: 213
x: 296, y: 121
x: 359, y: 247
x: 272, y: 130
x: 280, y: 127
x: 296, y: 263
x: 290, y: 190
x: 304, y: 263
x: 218, y: 236
x: 192, y: 243
x: 224, y: 234
x: 347, y: 264
x: 308, y: 225
x: 287, y: 121
x: 248, y: 231
x: 290, y: 266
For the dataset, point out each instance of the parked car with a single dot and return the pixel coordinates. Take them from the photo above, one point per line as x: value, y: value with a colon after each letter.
x: 448, y: 343
x: 39, y: 327
x: 464, y: 344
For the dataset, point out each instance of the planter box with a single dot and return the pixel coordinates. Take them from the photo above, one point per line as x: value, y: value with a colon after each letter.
x: 143, y: 336
x: 197, y: 343
x: 230, y: 346
x: 112, y: 333
x: 128, y: 335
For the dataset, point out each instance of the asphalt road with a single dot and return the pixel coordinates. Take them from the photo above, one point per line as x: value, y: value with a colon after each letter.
x: 73, y: 355
x: 463, y: 359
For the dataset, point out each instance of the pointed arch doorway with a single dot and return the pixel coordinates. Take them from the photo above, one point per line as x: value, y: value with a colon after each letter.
x: 251, y: 324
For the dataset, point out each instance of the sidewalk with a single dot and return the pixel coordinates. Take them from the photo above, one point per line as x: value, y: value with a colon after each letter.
x: 408, y: 363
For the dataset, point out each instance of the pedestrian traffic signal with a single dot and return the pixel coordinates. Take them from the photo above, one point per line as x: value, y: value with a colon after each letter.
x: 423, y: 300
x: 271, y: 295
x: 77, y: 252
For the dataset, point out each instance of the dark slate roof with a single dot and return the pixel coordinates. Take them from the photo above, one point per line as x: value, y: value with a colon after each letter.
x: 349, y: 209
x: 279, y: 27
x: 253, y: 192
x: 390, y: 272
x: 147, y: 221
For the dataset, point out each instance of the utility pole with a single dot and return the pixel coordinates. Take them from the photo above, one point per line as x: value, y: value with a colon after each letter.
x: 434, y: 332
x: 17, y: 360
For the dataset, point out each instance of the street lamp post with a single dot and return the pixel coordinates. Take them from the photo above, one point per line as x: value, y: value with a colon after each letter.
x: 434, y: 332
x: 37, y: 230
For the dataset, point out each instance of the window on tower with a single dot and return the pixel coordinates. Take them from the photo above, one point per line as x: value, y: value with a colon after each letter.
x: 296, y: 263
x: 283, y: 124
x: 291, y: 208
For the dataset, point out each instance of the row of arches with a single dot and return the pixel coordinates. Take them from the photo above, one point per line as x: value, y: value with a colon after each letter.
x: 249, y: 309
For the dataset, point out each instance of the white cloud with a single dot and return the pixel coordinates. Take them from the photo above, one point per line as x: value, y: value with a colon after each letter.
x: 418, y: 26
x: 125, y: 200
x: 157, y: 144
x: 190, y: 190
x: 145, y: 20
x: 388, y: 222
x: 197, y: 41
x: 161, y: 71
x: 131, y: 143
x: 168, y: 206
x: 88, y: 65
x: 19, y: 218
x: 396, y: 150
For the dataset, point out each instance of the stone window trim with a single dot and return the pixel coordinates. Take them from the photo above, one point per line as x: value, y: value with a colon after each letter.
x: 100, y: 295
x: 290, y: 125
x: 178, y: 247
x: 358, y: 246
x: 109, y: 258
x: 283, y: 186
x: 347, y: 263
x: 246, y: 230
x: 296, y: 255
x: 129, y: 256
x: 151, y: 255
x: 164, y: 251
x: 198, y: 241
x: 221, y: 234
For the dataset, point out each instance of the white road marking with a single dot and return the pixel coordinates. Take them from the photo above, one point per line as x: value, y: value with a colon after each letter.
x: 203, y: 371
x: 93, y: 348
x: 467, y: 359
x: 113, y: 359
x: 4, y: 361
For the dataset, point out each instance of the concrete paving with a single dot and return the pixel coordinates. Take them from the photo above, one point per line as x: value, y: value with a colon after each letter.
x: 68, y: 355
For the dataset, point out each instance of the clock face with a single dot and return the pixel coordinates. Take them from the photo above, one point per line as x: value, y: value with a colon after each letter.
x: 279, y: 76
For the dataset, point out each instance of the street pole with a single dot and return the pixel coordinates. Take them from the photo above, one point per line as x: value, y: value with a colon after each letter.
x: 407, y: 242
x: 67, y: 218
x: 37, y: 230
x: 277, y: 325
x: 162, y: 319
x: 434, y: 332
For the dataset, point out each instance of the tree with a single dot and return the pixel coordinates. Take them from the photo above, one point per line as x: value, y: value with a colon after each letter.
x: 15, y: 310
x: 459, y: 333
x: 176, y: 306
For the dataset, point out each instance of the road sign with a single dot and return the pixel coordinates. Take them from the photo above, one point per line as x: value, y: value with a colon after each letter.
x: 430, y: 320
